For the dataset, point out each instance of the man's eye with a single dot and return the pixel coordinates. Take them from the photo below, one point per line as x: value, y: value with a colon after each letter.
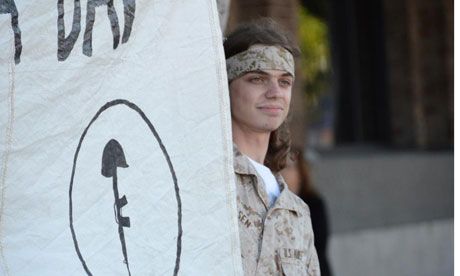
x: 285, y: 83
x: 256, y: 79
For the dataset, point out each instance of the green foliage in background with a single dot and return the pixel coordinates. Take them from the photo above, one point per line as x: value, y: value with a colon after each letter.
x: 315, y: 61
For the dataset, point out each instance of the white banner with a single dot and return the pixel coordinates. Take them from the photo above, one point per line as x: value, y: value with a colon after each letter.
x: 115, y: 142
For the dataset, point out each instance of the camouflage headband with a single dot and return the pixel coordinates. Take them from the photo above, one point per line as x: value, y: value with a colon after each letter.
x: 260, y: 57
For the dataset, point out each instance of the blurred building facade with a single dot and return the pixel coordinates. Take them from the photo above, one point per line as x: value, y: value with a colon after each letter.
x: 387, y: 173
x: 394, y: 62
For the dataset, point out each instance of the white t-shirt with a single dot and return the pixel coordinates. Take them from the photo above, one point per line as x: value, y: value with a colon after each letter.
x: 271, y: 185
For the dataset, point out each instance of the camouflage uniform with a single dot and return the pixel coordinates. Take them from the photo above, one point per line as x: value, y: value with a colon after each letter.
x: 276, y: 240
x: 260, y: 57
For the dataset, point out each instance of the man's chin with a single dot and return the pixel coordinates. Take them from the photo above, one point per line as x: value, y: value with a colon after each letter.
x: 271, y: 127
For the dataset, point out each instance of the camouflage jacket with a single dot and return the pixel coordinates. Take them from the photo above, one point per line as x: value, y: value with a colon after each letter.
x: 276, y: 240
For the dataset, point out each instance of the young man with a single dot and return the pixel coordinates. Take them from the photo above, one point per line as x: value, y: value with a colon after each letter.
x: 275, y: 228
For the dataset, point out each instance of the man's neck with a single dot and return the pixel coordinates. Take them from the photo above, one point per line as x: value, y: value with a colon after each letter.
x: 254, y: 145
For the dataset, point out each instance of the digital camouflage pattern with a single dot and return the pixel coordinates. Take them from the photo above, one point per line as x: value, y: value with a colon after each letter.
x: 276, y: 240
x: 260, y: 57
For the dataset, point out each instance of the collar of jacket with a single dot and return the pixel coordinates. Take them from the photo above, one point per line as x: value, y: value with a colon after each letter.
x: 286, y: 199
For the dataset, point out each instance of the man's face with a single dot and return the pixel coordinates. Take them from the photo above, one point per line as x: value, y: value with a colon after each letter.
x: 260, y: 100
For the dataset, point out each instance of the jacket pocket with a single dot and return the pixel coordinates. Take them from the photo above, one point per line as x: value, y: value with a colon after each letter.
x: 293, y: 268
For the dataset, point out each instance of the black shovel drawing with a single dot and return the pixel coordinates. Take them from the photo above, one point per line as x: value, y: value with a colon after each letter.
x: 112, y: 158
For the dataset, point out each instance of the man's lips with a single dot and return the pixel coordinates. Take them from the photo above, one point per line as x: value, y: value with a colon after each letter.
x: 271, y: 108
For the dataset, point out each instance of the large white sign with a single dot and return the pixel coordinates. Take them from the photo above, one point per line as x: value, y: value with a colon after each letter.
x: 115, y: 143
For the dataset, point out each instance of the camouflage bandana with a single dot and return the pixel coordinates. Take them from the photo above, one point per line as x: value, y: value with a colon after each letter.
x: 260, y: 57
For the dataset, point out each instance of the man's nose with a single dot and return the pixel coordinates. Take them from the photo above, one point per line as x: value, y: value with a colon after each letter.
x: 273, y: 89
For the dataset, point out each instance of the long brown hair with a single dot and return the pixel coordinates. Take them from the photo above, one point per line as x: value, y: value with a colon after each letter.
x: 265, y: 31
x: 303, y: 169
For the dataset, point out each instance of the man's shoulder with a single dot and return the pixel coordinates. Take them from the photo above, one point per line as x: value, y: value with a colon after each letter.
x: 290, y: 200
x: 298, y: 202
